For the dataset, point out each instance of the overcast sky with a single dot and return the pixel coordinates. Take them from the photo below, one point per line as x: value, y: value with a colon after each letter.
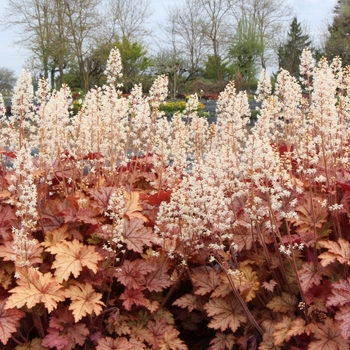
x: 313, y: 13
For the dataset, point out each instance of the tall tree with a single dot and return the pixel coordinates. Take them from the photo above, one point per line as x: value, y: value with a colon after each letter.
x: 35, y: 24
x: 210, y: 69
x: 270, y: 17
x: 185, y: 24
x: 55, y: 31
x: 216, y: 29
x: 247, y: 47
x: 82, y: 22
x: 134, y: 62
x: 127, y: 19
x: 7, y: 81
x: 290, y: 50
x: 171, y: 61
x: 338, y: 39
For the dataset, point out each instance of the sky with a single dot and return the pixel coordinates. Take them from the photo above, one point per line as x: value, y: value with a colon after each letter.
x: 312, y: 13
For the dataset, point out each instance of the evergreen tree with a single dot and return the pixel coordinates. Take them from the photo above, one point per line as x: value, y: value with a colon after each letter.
x: 338, y: 40
x: 290, y: 51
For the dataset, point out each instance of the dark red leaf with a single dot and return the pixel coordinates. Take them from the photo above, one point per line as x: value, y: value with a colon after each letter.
x: 157, y: 198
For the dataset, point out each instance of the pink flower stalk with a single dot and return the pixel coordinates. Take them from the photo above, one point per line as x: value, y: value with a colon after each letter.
x: 233, y: 117
x: 264, y: 86
x: 140, y: 119
x: 53, y: 127
x: 114, y: 67
x: 2, y: 107
x: 158, y: 92
x: 306, y: 69
x: 25, y: 191
x: 20, y: 123
x: 191, y: 106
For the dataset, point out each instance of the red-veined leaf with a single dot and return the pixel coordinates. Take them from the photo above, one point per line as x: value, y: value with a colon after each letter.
x: 205, y: 280
x: 71, y: 257
x: 67, y: 337
x: 157, y: 329
x: 132, y: 297
x: 226, y: 313
x: 328, y: 335
x: 311, y: 274
x: 136, y: 235
x: 222, y: 341
x: 337, y: 251
x: 7, y: 220
x: 85, y: 300
x: 108, y: 343
x: 284, y: 303
x: 132, y: 273
x: 33, y: 288
x: 101, y: 198
x: 158, y: 279
x: 340, y: 293
x: 281, y: 333
x: 187, y: 301
x: 171, y: 341
x: 343, y: 316
x: 9, y: 321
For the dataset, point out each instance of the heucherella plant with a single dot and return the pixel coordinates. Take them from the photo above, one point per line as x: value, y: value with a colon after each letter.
x: 123, y: 229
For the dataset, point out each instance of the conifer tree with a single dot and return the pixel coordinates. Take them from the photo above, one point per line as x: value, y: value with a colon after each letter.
x: 338, y: 40
x: 290, y: 51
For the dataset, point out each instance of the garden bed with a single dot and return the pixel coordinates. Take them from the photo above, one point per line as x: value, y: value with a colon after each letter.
x: 112, y: 237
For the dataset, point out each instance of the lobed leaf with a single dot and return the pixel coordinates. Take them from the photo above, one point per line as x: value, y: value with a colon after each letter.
x: 246, y: 281
x: 108, y: 343
x: 311, y: 214
x: 133, y: 297
x: 187, y: 301
x: 284, y: 303
x: 9, y: 321
x: 269, y: 285
x: 222, y: 341
x: 132, y: 273
x: 171, y: 341
x: 343, y: 316
x: 67, y: 337
x: 35, y: 287
x: 311, y: 274
x: 136, y: 235
x: 71, y: 257
x: 226, y: 313
x: 7, y: 220
x: 205, y: 280
x: 158, y: 329
x: 133, y: 207
x: 158, y: 279
x: 328, y: 335
x: 288, y: 328
x: 337, y: 251
x: 340, y: 293
x: 281, y: 334
x: 85, y: 300
x: 56, y: 236
x: 34, y: 344
x: 101, y: 197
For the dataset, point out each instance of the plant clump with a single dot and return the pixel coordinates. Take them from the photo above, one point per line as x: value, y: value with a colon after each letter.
x: 120, y: 229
